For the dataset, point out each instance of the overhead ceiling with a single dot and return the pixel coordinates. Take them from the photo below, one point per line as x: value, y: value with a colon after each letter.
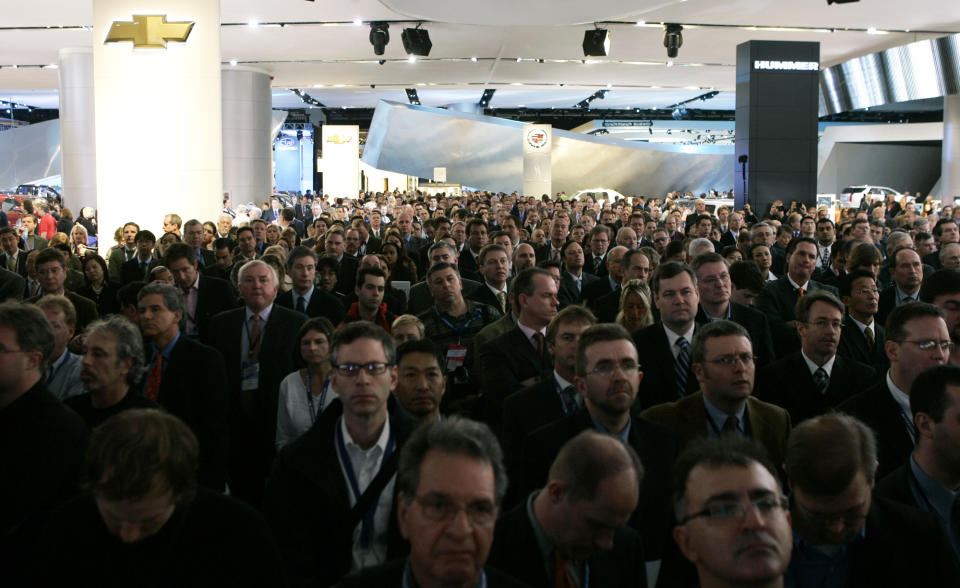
x: 334, y: 62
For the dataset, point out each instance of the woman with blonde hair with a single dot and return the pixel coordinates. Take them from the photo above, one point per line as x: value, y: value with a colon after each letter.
x: 635, y: 310
x: 406, y: 327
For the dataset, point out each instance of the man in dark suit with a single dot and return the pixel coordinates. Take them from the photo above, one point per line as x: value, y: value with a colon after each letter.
x: 335, y: 246
x: 348, y: 457
x: 608, y: 375
x: 258, y: 350
x: 947, y: 230
x: 907, y: 273
x: 305, y: 297
x: 608, y: 284
x: 831, y: 467
x: 52, y: 273
x: 595, y: 259
x: 665, y: 345
x: 942, y: 289
x: 187, y: 378
x: 468, y: 260
x: 573, y: 279
x: 515, y: 359
x: 420, y: 299
x: 715, y: 287
x: 917, y: 340
x: 203, y: 296
x: 12, y: 258
x: 193, y: 236
x: 862, y: 337
x: 288, y: 219
x: 138, y: 268
x: 271, y: 214
x: 552, y: 532
x: 552, y: 249
x: 495, y: 270
x: 815, y: 379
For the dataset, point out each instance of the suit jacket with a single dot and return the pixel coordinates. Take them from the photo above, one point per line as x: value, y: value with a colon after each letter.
x: 115, y: 261
x: 515, y: 551
x: 655, y: 444
x: 727, y: 238
x: 307, y: 492
x: 391, y: 574
x: 213, y: 297
x: 932, y: 259
x: 789, y: 384
x: 595, y: 290
x: 876, y: 407
x: 778, y: 301
x: 86, y: 308
x: 853, y: 345
x: 12, y: 285
x: 130, y: 270
x: 887, y: 302
x: 194, y: 388
x: 523, y: 413
x: 34, y: 242
x: 545, y: 252
x: 253, y: 415
x: 607, y: 307
x: 372, y: 245
x: 466, y: 262
x: 322, y: 303
x: 589, y: 264
x: 506, y: 362
x: 498, y: 327
x: 659, y: 383
x: 687, y: 417
x: 484, y: 295
x: 756, y: 324
x: 21, y: 262
x: 347, y: 275
x: 568, y: 287
x: 421, y: 300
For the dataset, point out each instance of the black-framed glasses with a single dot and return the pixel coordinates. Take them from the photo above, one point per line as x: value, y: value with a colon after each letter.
x: 726, y: 512
x: 929, y: 344
x: 606, y: 369
x: 350, y: 370
x: 441, y: 509
x: 732, y: 359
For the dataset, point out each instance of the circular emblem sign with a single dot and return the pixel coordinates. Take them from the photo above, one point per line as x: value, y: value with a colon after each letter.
x: 537, y: 138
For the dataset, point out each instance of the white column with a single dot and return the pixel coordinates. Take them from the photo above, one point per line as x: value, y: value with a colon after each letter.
x: 537, y: 168
x: 247, y: 142
x: 341, y: 160
x: 78, y: 147
x: 158, y: 124
x: 950, y: 154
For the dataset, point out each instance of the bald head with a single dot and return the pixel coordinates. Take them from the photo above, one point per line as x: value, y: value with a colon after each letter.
x: 588, y: 459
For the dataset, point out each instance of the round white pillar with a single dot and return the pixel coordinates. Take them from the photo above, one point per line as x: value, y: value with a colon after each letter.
x: 78, y: 146
x: 247, y: 140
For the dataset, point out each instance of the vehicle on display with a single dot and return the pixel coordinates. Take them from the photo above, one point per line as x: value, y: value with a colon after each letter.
x: 604, y: 194
x: 712, y: 204
x: 853, y: 196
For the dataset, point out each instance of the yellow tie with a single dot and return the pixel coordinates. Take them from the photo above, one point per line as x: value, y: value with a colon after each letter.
x: 799, y: 292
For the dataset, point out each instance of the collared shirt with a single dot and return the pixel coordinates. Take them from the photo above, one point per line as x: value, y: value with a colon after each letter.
x: 548, y: 550
x: 718, y: 418
x: 528, y: 333
x: 903, y: 403
x: 862, y: 327
x: 825, y: 566
x: 725, y: 317
x: 128, y: 253
x: 901, y: 296
x: 248, y: 326
x: 796, y: 286
x: 165, y: 352
x: 823, y: 255
x: 496, y: 292
x: 938, y: 499
x: 306, y: 297
x: 366, y: 463
x: 624, y: 435
x: 12, y: 261
x: 63, y: 377
x: 672, y: 338
x: 813, y: 367
x: 190, y: 306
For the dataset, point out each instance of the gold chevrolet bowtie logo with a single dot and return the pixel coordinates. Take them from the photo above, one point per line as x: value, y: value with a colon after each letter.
x: 149, y: 31
x: 339, y: 139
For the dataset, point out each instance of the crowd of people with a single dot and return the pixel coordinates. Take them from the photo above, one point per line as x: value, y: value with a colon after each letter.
x: 483, y: 390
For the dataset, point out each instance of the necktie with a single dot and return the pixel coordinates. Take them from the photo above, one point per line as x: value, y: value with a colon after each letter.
x: 580, y: 284
x: 569, y: 398
x: 561, y: 572
x: 301, y: 305
x: 907, y: 299
x: 597, y: 260
x: 822, y: 380
x: 868, y: 335
x: 556, y: 255
x: 799, y: 292
x: 731, y: 426
x: 538, y: 342
x: 682, y: 366
x: 502, y: 299
x: 152, y: 389
x: 254, y: 348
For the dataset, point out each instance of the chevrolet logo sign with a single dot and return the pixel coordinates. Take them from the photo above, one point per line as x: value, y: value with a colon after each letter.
x: 339, y: 139
x: 149, y: 31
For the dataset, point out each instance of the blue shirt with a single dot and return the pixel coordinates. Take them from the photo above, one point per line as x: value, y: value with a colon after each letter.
x: 165, y: 352
x: 825, y: 567
x: 623, y: 435
x: 937, y: 499
x: 718, y: 418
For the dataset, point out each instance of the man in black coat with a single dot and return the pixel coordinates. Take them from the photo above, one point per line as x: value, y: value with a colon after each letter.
x: 593, y: 481
x: 907, y: 273
x: 258, y: 346
x: 12, y: 257
x: 862, y: 337
x: 138, y: 268
x: 203, y: 296
x: 495, y: 269
x: 574, y: 280
x: 305, y: 297
x: 815, y: 379
x: 594, y: 293
x: 52, y: 274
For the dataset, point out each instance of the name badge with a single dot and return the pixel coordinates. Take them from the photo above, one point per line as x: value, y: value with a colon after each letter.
x: 250, y: 374
x: 456, y: 355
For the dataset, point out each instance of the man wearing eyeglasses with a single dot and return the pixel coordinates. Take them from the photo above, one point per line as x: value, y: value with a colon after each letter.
x: 607, y: 376
x: 450, y: 483
x: 917, y: 340
x: 862, y: 336
x: 330, y: 497
x: 814, y: 380
x: 843, y: 536
x: 731, y: 512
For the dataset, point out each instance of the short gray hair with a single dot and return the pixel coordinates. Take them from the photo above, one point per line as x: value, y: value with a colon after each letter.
x: 698, y: 243
x: 127, y: 338
x: 172, y: 298
x: 34, y: 333
x: 455, y: 435
x: 256, y: 263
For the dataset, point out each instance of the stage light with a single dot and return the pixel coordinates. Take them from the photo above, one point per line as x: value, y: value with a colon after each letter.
x: 416, y: 41
x: 596, y: 43
x: 412, y: 96
x: 829, y: 2
x: 672, y: 38
x: 379, y: 36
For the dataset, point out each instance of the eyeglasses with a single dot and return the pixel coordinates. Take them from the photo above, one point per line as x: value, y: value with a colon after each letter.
x: 731, y: 360
x: 825, y: 324
x: 606, y: 369
x: 929, y: 344
x: 868, y: 292
x: 726, y: 512
x: 441, y: 509
x: 350, y: 370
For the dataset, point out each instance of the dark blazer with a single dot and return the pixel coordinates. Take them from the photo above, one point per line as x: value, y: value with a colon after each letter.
x: 888, y: 301
x: 767, y: 424
x: 596, y: 290
x: 523, y: 413
x: 484, y: 295
x: 21, y: 262
x: 194, y: 388
x: 466, y: 262
x: 130, y: 270
x: 568, y: 287
x: 789, y: 384
x: 876, y: 407
x: 515, y: 551
x: 253, y: 415
x: 853, y: 345
x: 209, y: 259
x: 213, y: 297
x: 12, y: 285
x: 545, y: 252
x: 659, y: 383
x: 505, y: 362
x: 322, y: 303
x: 306, y: 502
x: 757, y: 326
x: 727, y: 238
x: 932, y: 259
x: 347, y: 276
x: 421, y: 300
x: 390, y: 574
x: 607, y: 306
x: 589, y: 265
x: 655, y: 444
x: 372, y: 245
x: 778, y: 301
x: 86, y: 308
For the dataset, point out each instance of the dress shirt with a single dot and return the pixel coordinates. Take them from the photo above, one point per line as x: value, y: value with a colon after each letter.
x: 12, y: 261
x: 63, y: 376
x: 725, y: 317
x: 190, y: 306
x: 528, y: 333
x: 939, y: 500
x: 366, y: 463
x: 624, y: 435
x: 672, y: 338
x: 796, y: 286
x: 165, y: 352
x: 862, y: 327
x: 129, y: 254
x: 823, y: 255
x: 248, y: 325
x: 548, y: 550
x: 813, y: 367
x: 293, y: 414
x: 578, y: 280
x: 306, y: 298
x: 901, y: 295
x: 825, y: 566
x: 903, y: 403
x: 718, y: 418
x: 496, y: 292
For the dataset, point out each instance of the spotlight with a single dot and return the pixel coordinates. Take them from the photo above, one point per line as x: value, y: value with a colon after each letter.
x: 412, y: 96
x: 416, y: 41
x: 672, y: 38
x: 379, y: 36
x: 596, y: 43
x: 829, y: 2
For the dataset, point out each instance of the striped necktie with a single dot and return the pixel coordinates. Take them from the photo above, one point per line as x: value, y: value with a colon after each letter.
x: 682, y: 366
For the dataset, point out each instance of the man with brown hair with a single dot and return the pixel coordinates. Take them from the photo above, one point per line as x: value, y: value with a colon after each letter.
x: 51, y: 268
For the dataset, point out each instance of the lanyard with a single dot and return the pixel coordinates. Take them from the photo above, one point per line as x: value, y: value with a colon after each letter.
x: 323, y: 396
x: 366, y: 527
x: 59, y: 364
x: 477, y: 313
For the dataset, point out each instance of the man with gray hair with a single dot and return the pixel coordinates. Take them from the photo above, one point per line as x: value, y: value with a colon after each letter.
x: 193, y: 236
x: 445, y: 467
x: 112, y: 366
x: 699, y: 246
x: 63, y: 374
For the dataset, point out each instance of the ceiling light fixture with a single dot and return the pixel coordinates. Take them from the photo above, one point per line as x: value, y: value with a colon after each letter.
x: 412, y: 96
x: 596, y: 43
x: 672, y: 38
x: 379, y: 37
x: 416, y: 41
